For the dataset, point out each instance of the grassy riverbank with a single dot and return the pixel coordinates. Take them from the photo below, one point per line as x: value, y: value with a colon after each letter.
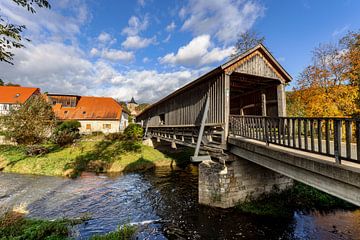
x: 91, y: 153
x: 14, y: 226
x: 299, y: 197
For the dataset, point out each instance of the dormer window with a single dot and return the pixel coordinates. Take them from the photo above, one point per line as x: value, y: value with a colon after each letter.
x: 17, y: 95
x: 84, y: 112
x: 65, y: 112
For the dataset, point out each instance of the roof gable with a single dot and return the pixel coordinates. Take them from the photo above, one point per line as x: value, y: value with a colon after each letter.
x: 16, y: 95
x: 257, y: 61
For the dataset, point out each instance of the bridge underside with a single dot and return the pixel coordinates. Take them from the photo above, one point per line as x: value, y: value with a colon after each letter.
x: 320, y: 172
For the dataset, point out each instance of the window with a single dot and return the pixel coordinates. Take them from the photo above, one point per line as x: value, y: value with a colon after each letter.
x: 54, y: 102
x: 88, y: 126
x: 65, y: 112
x: 162, y: 119
x: 84, y: 112
x: 106, y: 126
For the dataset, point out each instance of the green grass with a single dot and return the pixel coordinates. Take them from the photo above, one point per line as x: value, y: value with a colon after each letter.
x: 299, y: 197
x: 14, y: 226
x: 93, y: 154
x: 123, y: 233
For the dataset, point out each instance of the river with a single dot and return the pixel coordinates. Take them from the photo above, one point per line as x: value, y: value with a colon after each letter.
x: 163, y: 203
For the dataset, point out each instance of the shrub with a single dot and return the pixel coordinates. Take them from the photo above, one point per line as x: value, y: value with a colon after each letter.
x: 66, y: 132
x: 115, y: 136
x: 134, y: 132
x: 69, y: 125
x: 35, y: 150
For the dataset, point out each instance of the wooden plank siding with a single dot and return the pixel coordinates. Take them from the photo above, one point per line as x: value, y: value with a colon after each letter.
x: 186, y: 108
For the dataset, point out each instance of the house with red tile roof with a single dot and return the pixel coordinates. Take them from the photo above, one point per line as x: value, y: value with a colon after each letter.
x: 11, y: 96
x: 95, y: 114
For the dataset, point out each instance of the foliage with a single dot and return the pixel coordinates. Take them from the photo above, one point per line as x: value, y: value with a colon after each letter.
x: 141, y: 107
x: 14, y: 225
x: 134, y: 132
x: 246, y: 41
x: 35, y: 150
x: 299, y: 197
x: 31, y: 122
x: 66, y: 132
x: 123, y: 105
x: 328, y: 86
x: 117, y: 136
x: 122, y: 233
x: 10, y: 34
x: 1, y: 82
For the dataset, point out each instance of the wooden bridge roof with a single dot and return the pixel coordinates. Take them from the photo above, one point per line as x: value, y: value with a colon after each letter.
x: 230, y: 66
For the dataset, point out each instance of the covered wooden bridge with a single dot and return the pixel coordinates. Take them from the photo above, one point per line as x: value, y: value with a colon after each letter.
x: 237, y: 111
x: 250, y: 84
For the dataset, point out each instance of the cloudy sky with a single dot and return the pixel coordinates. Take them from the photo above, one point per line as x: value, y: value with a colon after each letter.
x: 148, y: 48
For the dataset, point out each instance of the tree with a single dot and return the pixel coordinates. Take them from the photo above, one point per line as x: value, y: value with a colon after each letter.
x: 327, y: 87
x: 30, y: 122
x: 66, y: 132
x: 351, y: 42
x: 1, y: 82
x: 246, y: 41
x: 10, y: 34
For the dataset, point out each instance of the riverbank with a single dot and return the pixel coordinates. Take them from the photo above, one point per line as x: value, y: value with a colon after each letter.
x: 14, y: 225
x: 91, y: 153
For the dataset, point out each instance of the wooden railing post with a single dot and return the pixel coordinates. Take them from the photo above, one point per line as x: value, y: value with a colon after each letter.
x: 337, y: 140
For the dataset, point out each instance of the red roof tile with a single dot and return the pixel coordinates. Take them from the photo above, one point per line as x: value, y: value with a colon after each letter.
x: 13, y: 95
x: 90, y: 108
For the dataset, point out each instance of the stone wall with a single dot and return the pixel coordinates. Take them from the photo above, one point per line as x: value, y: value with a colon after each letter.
x: 240, y: 180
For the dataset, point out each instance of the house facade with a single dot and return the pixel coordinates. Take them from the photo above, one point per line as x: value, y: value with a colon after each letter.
x: 95, y: 114
x: 12, y: 96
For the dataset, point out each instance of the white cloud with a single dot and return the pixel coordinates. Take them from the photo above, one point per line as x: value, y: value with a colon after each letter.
x: 146, y: 60
x: 113, y: 54
x: 136, y: 42
x: 60, y: 68
x: 48, y: 23
x: 197, y: 52
x: 224, y: 19
x: 171, y: 27
x: 136, y: 25
x: 167, y: 39
x: 105, y: 37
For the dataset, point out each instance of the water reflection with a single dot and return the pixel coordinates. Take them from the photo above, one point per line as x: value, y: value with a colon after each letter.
x: 164, y: 204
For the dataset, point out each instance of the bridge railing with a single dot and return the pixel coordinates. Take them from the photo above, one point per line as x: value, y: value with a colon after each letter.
x: 335, y: 137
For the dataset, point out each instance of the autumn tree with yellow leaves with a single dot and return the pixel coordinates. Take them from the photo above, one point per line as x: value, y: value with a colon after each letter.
x: 329, y: 87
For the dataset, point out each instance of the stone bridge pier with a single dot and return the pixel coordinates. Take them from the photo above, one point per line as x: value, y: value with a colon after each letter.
x: 239, y: 180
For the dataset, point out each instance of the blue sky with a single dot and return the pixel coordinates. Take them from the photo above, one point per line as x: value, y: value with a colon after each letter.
x: 149, y: 48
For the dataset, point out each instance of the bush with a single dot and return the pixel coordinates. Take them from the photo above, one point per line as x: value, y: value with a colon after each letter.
x: 35, y: 150
x: 134, y: 132
x: 66, y: 132
x: 115, y: 136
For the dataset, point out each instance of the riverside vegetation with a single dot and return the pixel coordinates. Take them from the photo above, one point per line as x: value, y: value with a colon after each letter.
x: 98, y: 153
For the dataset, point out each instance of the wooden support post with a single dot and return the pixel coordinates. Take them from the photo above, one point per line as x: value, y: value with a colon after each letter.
x: 337, y: 140
x: 263, y: 104
x: 202, y: 127
x: 281, y: 99
x: 226, y: 109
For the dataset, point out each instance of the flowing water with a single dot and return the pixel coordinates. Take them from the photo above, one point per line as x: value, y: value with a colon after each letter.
x: 163, y: 203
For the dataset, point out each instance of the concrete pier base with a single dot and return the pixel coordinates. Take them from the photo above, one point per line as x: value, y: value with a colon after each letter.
x: 237, y: 181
